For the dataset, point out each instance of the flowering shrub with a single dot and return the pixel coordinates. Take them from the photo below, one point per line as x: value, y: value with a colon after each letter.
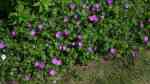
x: 41, y: 34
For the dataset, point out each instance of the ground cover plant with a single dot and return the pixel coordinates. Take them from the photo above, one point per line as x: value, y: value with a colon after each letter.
x: 42, y: 39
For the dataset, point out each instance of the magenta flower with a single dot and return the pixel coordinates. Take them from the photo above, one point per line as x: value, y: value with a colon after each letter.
x: 113, y: 51
x: 2, y: 45
x: 146, y: 38
x: 110, y: 2
x: 13, y: 33
x: 93, y: 18
x: 33, y: 33
x: 58, y: 34
x: 56, y: 61
x: 39, y: 65
x: 65, y: 34
x: 51, y: 72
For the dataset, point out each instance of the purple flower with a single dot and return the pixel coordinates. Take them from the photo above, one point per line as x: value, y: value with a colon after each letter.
x: 110, y: 2
x: 135, y: 53
x: 73, y: 44
x: 148, y: 20
x: 146, y: 39
x: 97, y: 5
x: 2, y: 45
x: 51, y: 72
x: 95, y: 8
x: 29, y: 25
x: 93, y: 18
x: 40, y: 27
x: 56, y: 61
x: 33, y: 33
x: 65, y: 34
x: 113, y: 51
x: 13, y: 33
x: 62, y: 48
x: 72, y: 6
x: 77, y: 17
x: 66, y: 19
x: 77, y: 44
x: 80, y: 44
x: 91, y: 49
x: 141, y: 24
x: 39, y: 65
x: 28, y: 77
x: 78, y: 38
x: 58, y: 34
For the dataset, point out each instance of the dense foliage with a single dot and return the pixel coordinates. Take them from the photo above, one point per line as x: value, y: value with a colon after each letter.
x: 41, y: 38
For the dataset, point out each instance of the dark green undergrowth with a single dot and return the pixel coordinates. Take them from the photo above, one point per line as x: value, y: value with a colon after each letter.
x: 40, y: 30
